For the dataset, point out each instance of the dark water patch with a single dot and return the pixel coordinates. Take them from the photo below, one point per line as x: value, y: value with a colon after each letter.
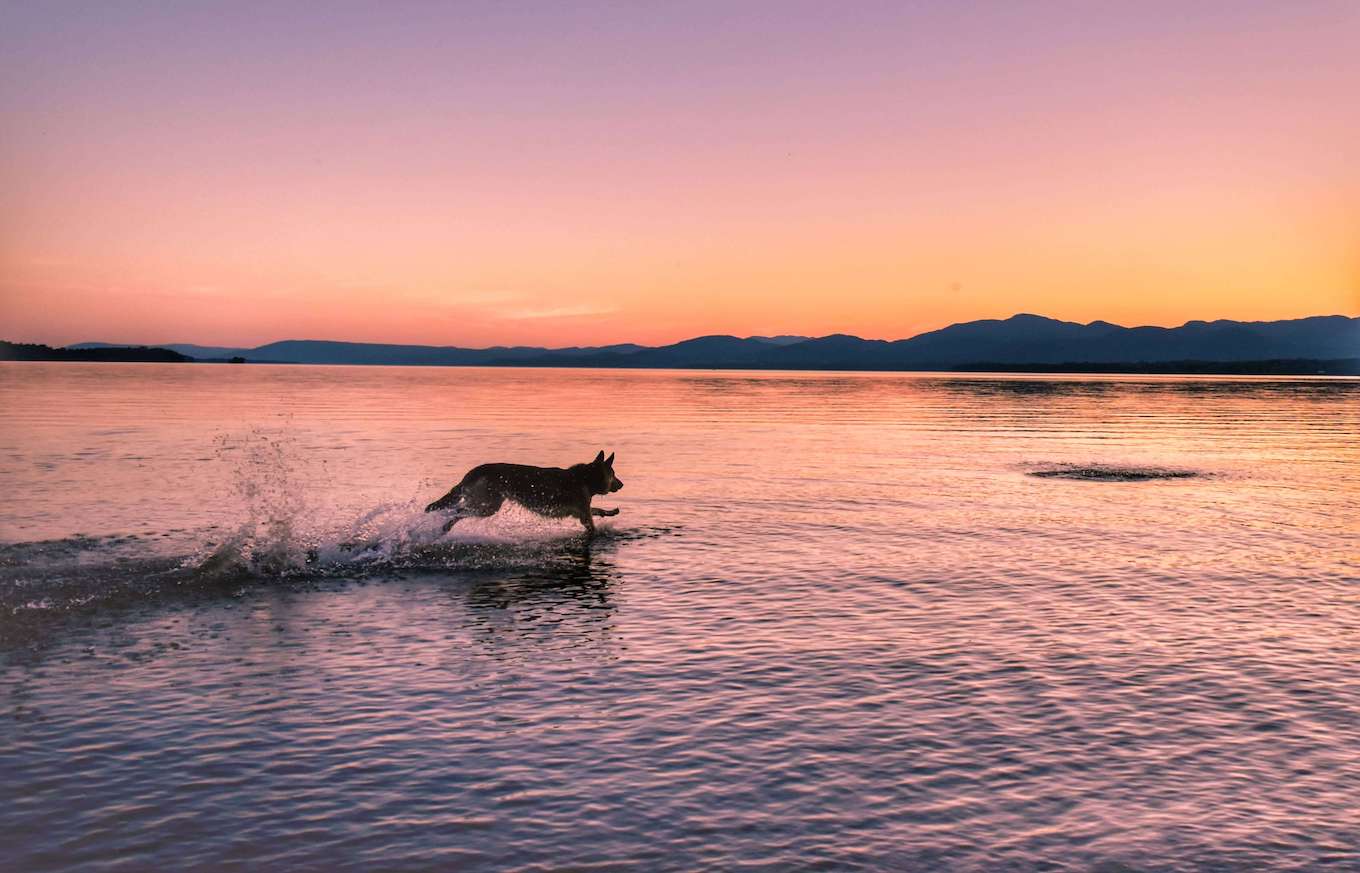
x: 1109, y: 473
x: 1326, y: 390
x: 1021, y: 387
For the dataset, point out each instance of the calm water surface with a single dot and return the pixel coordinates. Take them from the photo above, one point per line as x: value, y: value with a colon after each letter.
x: 836, y: 625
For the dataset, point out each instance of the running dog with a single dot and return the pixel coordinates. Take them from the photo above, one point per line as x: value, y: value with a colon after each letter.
x: 550, y: 491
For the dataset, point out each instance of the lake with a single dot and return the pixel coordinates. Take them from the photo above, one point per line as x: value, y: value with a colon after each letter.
x: 838, y: 624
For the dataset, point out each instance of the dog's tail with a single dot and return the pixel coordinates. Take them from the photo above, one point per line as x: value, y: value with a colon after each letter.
x: 455, y: 494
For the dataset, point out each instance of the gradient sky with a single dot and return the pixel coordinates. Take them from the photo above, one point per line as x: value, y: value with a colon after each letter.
x: 563, y: 173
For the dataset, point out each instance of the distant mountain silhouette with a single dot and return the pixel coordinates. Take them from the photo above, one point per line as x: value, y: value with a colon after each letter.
x: 332, y: 352
x: 781, y: 340
x: 1021, y: 341
x: 103, y: 354
x: 1032, y: 339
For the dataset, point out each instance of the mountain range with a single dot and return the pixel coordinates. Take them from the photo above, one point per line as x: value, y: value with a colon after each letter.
x: 1021, y: 340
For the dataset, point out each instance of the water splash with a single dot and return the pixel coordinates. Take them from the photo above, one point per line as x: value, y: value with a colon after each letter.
x: 281, y: 530
x: 272, y: 479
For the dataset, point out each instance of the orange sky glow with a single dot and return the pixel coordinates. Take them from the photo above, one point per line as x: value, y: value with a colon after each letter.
x: 470, y: 174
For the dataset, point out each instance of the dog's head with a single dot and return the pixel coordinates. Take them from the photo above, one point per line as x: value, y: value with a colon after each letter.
x: 602, y: 479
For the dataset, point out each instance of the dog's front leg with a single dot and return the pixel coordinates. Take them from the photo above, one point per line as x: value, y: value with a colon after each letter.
x: 607, y: 513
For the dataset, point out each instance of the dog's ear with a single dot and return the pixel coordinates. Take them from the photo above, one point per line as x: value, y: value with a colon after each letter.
x: 599, y: 459
x: 609, y: 461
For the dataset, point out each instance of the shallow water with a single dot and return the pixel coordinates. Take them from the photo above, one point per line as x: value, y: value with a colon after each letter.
x: 836, y: 625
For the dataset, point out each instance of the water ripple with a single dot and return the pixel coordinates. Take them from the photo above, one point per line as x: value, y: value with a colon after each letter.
x: 835, y: 626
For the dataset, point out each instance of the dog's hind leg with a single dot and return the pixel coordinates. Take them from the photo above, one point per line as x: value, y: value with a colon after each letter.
x: 477, y: 503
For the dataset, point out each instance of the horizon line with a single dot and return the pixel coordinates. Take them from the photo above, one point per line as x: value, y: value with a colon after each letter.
x: 706, y: 335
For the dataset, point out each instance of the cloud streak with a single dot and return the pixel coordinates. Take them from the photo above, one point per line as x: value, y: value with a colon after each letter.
x: 584, y: 310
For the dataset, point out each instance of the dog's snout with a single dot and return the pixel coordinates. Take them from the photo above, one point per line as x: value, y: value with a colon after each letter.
x: 618, y: 483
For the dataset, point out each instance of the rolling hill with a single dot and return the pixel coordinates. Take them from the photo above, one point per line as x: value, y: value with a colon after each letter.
x: 1021, y: 341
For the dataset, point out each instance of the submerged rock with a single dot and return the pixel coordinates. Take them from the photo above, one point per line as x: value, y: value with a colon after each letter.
x: 1103, y: 473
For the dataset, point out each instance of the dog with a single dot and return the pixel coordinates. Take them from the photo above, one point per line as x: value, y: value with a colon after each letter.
x: 549, y: 491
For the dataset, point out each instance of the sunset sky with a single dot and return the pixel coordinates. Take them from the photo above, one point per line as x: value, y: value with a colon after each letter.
x: 580, y: 173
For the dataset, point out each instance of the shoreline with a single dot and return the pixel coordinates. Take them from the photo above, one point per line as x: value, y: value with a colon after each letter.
x: 1293, y: 367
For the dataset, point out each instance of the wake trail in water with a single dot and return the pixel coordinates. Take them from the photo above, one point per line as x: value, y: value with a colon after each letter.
x: 43, y: 580
x: 282, y: 535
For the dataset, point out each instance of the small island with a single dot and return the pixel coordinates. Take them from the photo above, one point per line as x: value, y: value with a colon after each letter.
x: 37, y: 352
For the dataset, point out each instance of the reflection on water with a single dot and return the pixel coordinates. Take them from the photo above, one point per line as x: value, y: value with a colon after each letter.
x: 1056, y: 386
x: 580, y: 578
x: 835, y: 625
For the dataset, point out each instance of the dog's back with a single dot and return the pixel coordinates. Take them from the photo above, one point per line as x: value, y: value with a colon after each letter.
x: 550, y: 491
